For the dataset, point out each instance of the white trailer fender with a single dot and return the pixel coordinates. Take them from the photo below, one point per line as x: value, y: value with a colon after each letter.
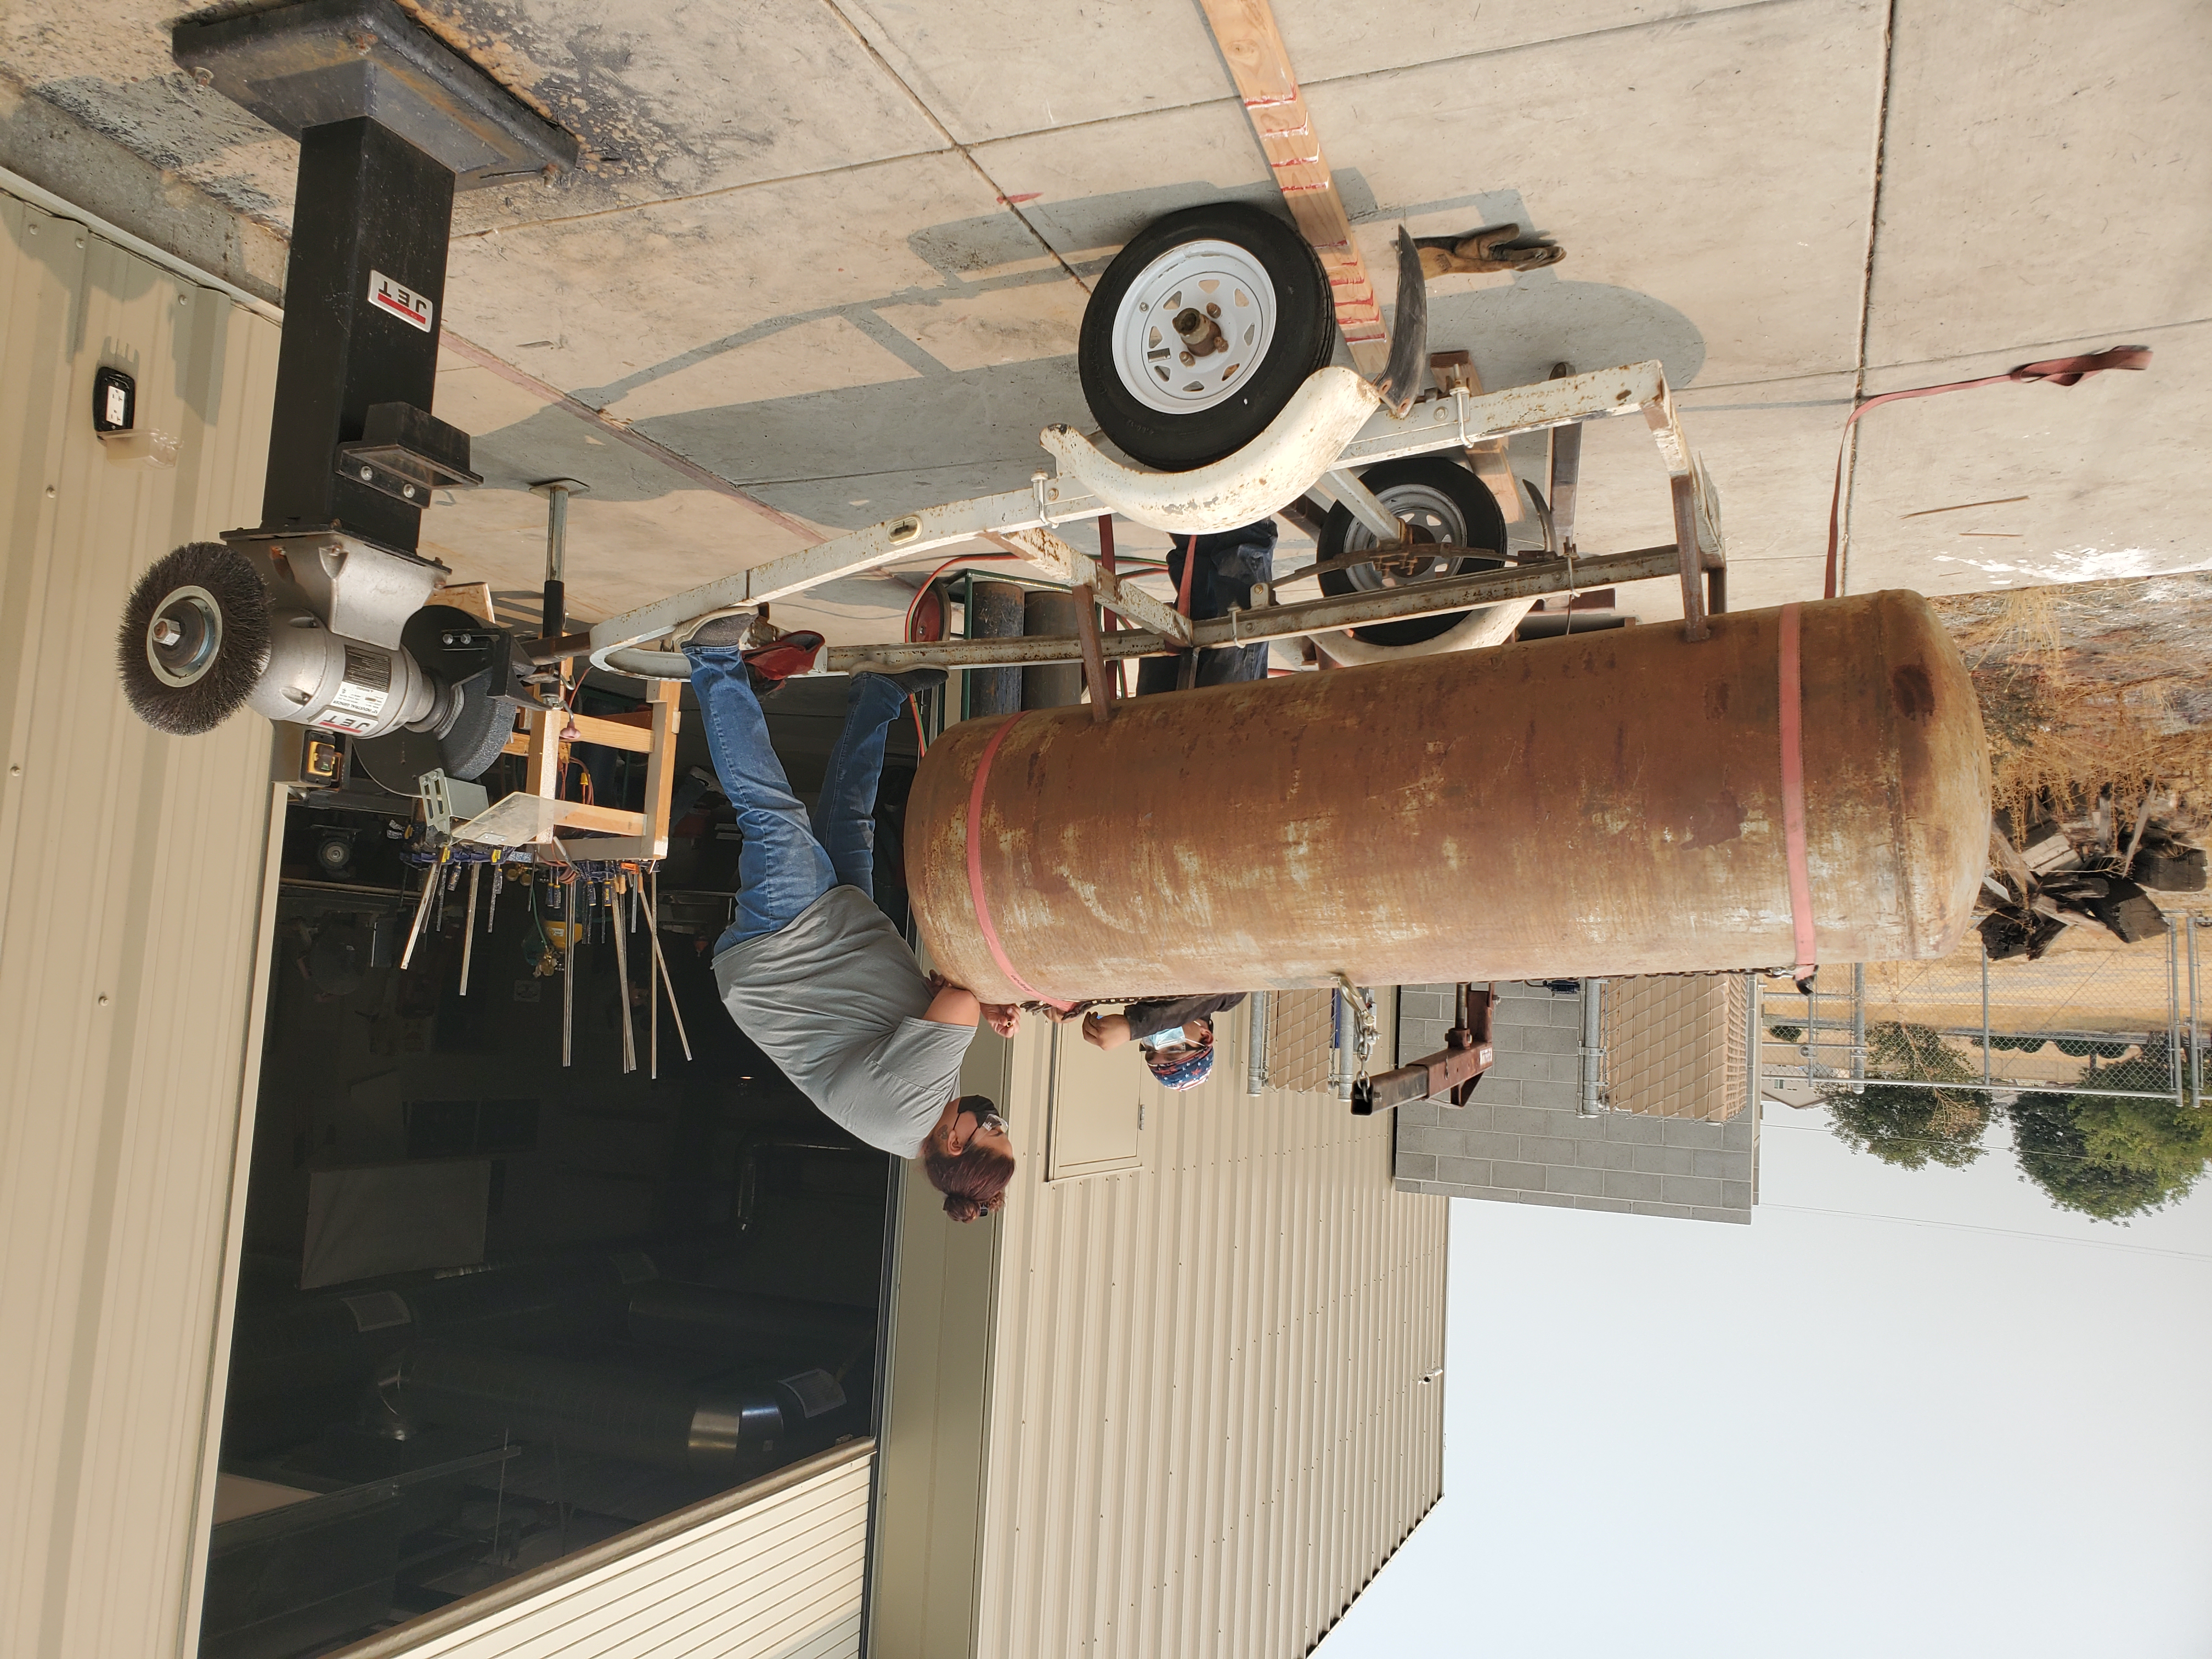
x: 1272, y: 471
x: 1493, y: 624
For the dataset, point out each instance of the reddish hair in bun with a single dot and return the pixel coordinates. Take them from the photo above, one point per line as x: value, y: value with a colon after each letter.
x: 974, y: 1182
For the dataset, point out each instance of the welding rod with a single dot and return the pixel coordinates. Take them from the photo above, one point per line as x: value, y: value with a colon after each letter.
x: 622, y: 970
x: 653, y: 923
x: 469, y: 928
x: 431, y: 877
x: 569, y: 974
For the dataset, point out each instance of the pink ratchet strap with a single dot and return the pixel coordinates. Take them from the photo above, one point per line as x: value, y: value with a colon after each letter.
x: 2054, y: 370
x: 1793, y: 802
x: 976, y: 869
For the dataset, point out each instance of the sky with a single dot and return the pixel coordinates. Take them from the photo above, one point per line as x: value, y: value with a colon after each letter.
x: 1904, y: 1413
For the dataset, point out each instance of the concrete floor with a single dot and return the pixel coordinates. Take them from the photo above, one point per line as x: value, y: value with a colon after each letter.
x: 833, y: 254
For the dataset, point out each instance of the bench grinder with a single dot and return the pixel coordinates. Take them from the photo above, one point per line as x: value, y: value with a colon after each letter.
x: 325, y: 613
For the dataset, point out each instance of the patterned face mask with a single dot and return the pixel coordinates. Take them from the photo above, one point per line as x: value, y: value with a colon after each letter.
x: 1187, y: 1073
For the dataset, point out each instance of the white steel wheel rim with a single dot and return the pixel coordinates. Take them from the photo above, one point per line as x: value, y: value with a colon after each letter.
x: 1147, y: 351
x: 1425, y: 508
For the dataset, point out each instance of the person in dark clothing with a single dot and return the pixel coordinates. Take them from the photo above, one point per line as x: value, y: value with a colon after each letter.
x: 1176, y: 1034
x: 1223, y: 567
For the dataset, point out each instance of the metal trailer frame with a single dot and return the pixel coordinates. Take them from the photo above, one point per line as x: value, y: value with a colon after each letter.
x: 1452, y: 1072
x: 1273, y: 470
x: 1336, y: 422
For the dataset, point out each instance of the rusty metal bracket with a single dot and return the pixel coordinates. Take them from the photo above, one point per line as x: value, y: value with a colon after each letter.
x: 1452, y: 1071
x: 1094, y: 656
x: 1565, y: 470
x: 1458, y: 381
x: 1078, y: 569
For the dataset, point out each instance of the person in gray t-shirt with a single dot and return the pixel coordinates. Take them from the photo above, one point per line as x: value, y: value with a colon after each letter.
x: 810, y: 970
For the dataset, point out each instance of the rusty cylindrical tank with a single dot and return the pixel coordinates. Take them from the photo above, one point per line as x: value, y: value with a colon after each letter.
x: 1561, y: 807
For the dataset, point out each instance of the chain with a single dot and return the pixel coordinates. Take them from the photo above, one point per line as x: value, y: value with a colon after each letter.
x: 1368, y: 1033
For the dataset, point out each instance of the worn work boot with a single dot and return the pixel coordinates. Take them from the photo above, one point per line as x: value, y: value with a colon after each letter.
x: 769, y: 665
x: 718, y: 628
x: 913, y: 681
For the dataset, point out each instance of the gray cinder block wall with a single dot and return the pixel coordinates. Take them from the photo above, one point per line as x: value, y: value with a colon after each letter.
x: 1522, y: 1139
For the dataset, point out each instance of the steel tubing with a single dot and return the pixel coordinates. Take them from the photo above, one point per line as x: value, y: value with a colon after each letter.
x: 995, y: 613
x: 1577, y: 807
x: 1278, y: 622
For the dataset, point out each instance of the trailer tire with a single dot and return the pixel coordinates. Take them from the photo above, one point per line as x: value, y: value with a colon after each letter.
x: 1441, y: 496
x: 1275, y: 326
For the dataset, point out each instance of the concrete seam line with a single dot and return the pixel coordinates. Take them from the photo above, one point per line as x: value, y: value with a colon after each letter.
x: 959, y: 148
x: 555, y: 397
x: 1355, y: 77
x: 521, y: 227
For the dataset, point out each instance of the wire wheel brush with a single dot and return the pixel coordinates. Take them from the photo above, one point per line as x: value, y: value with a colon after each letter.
x: 194, y: 639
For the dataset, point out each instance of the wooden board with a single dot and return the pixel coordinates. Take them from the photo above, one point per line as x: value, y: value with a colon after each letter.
x: 650, y: 731
x: 1260, y: 64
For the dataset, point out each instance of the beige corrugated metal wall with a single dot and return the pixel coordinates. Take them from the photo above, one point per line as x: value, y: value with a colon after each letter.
x: 929, y: 1486
x: 776, y: 1575
x: 1208, y: 1425
x: 131, y: 893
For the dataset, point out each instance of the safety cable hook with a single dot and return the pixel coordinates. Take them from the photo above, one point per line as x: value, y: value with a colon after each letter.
x: 1368, y: 1032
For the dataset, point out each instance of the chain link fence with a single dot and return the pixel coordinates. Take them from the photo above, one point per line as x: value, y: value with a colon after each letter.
x: 2121, y: 1024
x: 2090, y: 1064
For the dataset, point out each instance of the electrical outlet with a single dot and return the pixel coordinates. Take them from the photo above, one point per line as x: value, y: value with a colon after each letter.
x: 114, y: 401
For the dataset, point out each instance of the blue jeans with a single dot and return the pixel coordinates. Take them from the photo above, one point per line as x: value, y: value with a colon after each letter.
x: 786, y: 861
x: 1228, y: 562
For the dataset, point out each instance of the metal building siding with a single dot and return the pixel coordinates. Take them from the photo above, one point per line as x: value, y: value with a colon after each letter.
x: 1208, y: 1429
x: 131, y: 929
x: 778, y: 1578
x: 930, y: 1464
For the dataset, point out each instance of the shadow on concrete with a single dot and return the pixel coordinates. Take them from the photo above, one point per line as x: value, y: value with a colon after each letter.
x: 853, y: 456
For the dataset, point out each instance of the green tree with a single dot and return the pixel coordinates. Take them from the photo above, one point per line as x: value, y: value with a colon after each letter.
x: 2113, y: 1159
x: 1912, y: 1128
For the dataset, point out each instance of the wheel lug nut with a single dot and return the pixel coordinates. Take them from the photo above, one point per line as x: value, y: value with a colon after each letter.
x: 1213, y: 311
x: 1188, y: 360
